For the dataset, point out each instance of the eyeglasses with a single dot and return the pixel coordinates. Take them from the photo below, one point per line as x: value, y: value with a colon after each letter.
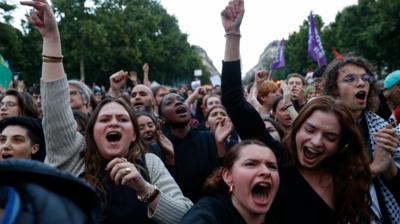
x: 8, y: 104
x: 353, y: 79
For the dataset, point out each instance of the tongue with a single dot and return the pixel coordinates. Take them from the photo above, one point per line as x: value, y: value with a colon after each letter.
x: 260, y: 197
x: 310, y: 155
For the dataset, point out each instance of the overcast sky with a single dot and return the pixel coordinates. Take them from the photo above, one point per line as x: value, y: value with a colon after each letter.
x: 264, y: 21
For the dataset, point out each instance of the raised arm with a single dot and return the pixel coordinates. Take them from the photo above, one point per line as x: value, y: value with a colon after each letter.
x: 146, y: 80
x: 117, y: 80
x: 63, y: 142
x: 232, y: 17
x: 245, y: 118
x: 45, y: 22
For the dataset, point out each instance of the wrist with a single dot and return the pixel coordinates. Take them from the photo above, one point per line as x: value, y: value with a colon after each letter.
x: 149, y: 195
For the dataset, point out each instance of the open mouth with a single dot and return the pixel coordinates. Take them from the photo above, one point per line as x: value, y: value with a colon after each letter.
x: 6, y: 156
x: 148, y: 136
x: 361, y: 95
x: 310, y: 153
x: 136, y: 104
x: 260, y: 192
x: 181, y: 110
x: 113, y: 136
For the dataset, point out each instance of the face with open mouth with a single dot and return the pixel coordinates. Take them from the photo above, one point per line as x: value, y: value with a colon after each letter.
x: 353, y: 89
x: 16, y: 143
x: 317, y: 138
x: 141, y: 97
x: 113, y: 131
x: 147, y: 128
x: 174, y: 109
x: 255, y: 179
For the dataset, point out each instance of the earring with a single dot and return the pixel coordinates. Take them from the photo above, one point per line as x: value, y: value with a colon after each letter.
x: 230, y: 189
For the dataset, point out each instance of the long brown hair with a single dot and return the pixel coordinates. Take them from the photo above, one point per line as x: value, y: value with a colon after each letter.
x: 94, y: 163
x: 349, y: 166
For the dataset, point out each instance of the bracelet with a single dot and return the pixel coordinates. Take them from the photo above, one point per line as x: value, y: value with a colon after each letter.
x: 52, y: 59
x: 150, y: 195
x: 233, y: 34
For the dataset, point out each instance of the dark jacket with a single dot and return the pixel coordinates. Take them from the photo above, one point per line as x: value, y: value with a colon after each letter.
x: 32, y: 192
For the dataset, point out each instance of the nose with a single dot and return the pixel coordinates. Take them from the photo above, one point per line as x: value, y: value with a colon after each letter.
x: 5, y: 146
x: 266, y: 170
x: 316, y: 140
x: 361, y: 82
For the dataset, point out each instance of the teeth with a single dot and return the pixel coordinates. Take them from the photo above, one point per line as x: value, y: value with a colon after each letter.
x: 312, y: 150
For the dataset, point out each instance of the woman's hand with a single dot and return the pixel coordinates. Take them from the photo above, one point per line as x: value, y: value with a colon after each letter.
x: 232, y: 16
x: 167, y: 146
x: 223, y: 130
x: 43, y: 18
x: 122, y: 172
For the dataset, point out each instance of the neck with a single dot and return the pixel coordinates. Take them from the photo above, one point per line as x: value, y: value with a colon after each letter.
x: 251, y: 218
x: 357, y: 114
x: 180, y: 131
x: 265, y: 109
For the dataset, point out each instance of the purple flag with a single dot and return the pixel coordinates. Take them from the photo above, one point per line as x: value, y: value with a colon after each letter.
x: 279, y: 59
x: 315, y: 48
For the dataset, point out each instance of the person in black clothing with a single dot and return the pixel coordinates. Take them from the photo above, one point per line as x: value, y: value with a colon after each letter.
x: 324, y: 177
x: 242, y: 190
x: 195, y: 150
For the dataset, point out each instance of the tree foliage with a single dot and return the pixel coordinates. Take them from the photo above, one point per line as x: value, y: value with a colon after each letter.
x: 112, y: 35
x: 370, y: 29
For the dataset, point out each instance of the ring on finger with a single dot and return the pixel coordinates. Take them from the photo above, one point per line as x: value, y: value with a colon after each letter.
x: 127, y: 170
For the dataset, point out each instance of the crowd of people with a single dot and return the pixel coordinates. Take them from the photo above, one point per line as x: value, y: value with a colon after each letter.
x: 319, y: 150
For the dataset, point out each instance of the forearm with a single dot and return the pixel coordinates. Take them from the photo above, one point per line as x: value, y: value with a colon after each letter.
x: 114, y: 92
x: 146, y: 80
x: 232, y: 48
x: 52, y: 48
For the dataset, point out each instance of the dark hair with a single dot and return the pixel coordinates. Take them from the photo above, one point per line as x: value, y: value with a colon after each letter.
x: 276, y: 102
x: 277, y: 126
x: 155, y: 89
x: 81, y: 119
x: 296, y: 75
x: 147, y: 114
x: 94, y: 163
x: 349, y: 166
x: 26, y: 103
x: 213, y: 108
x: 331, y: 75
x: 215, y: 184
x: 34, y: 130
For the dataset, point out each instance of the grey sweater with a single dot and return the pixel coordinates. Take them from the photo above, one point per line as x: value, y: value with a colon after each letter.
x: 64, y: 144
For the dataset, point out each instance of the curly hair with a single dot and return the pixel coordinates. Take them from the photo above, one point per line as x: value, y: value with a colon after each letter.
x: 331, y: 75
x: 349, y: 166
x: 94, y: 162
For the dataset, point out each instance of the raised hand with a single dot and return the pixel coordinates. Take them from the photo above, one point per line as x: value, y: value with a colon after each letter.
x: 118, y: 79
x: 43, y: 18
x: 232, y: 16
x: 146, y: 68
x: 133, y: 77
x: 386, y: 144
x: 223, y: 130
x: 167, y: 146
